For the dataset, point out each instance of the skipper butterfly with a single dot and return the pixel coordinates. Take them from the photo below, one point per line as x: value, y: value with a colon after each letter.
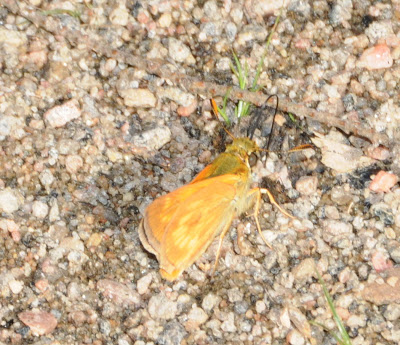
x: 179, y: 227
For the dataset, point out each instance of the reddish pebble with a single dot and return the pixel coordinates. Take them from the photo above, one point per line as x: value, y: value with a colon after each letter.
x: 307, y: 185
x: 78, y: 317
x: 377, y: 57
x: 383, y: 181
x: 380, y: 153
x: 40, y: 322
x: 16, y: 236
x: 302, y: 43
x: 124, y: 222
x: 180, y: 30
x: 42, y: 284
x: 125, y: 128
x: 142, y: 18
x: 186, y: 111
x: 205, y: 156
x: 48, y: 267
x: 380, y: 262
x: 343, y: 313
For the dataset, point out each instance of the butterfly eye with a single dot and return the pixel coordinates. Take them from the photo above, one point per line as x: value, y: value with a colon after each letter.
x: 252, y: 159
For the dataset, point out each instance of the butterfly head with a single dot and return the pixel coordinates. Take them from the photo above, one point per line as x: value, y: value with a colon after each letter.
x: 243, y: 147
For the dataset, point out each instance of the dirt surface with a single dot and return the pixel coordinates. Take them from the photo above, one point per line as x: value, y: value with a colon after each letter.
x: 95, y: 124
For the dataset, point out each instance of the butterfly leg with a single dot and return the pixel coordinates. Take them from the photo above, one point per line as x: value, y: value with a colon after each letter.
x: 273, y: 201
x: 256, y: 193
x: 221, y: 237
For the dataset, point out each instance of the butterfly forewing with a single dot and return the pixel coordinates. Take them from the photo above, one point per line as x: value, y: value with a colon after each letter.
x: 192, y: 229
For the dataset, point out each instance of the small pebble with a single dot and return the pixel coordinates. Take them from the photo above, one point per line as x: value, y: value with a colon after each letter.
x: 197, y: 317
x: 383, y: 182
x: 40, y: 322
x: 229, y: 324
x: 260, y: 306
x: 10, y: 200
x: 210, y: 301
x: 140, y: 98
x: 304, y: 270
x: 16, y: 286
x: 143, y: 283
x: 381, y: 293
x: 46, y: 178
x: 160, y: 307
x: 118, y: 292
x: 380, y: 153
x: 380, y: 262
x: 40, y: 209
x: 307, y: 185
x: 295, y: 338
x: 73, y: 163
x: 376, y: 58
x: 60, y: 115
x: 186, y: 111
x: 119, y: 16
x: 179, y: 51
x: 153, y: 139
x: 42, y: 285
x: 165, y: 20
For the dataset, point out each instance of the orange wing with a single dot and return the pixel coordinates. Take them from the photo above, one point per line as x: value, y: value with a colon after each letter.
x: 159, y: 213
x: 178, y: 227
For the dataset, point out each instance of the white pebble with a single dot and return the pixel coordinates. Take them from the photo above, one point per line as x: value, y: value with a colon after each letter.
x: 10, y: 200
x: 16, y: 286
x: 73, y: 163
x: 62, y: 114
x: 40, y: 209
x: 46, y: 177
x: 119, y: 16
x: 138, y: 98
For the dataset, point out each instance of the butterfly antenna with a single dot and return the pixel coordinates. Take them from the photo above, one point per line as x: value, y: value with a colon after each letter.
x: 215, y: 109
x: 273, y: 119
x: 258, y: 119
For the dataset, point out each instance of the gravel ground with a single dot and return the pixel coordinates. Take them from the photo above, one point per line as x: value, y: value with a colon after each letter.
x: 88, y: 141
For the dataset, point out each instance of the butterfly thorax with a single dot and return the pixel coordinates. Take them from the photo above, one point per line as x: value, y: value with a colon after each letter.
x: 233, y: 161
x: 242, y: 147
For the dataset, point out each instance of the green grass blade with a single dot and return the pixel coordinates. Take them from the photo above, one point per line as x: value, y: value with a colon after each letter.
x: 345, y: 340
x: 326, y: 329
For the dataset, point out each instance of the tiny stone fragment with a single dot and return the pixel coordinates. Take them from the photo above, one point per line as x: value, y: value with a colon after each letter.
x: 383, y: 181
x: 40, y: 209
x: 179, y: 51
x: 153, y: 139
x: 118, y: 292
x: 10, y: 200
x: 140, y: 98
x: 73, y: 163
x: 307, y: 185
x: 376, y: 58
x: 143, y: 283
x: 60, y: 115
x: 40, y: 322
x: 304, y: 270
x: 160, y: 307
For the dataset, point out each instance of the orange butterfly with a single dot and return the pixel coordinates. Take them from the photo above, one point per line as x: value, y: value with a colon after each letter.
x: 178, y: 227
